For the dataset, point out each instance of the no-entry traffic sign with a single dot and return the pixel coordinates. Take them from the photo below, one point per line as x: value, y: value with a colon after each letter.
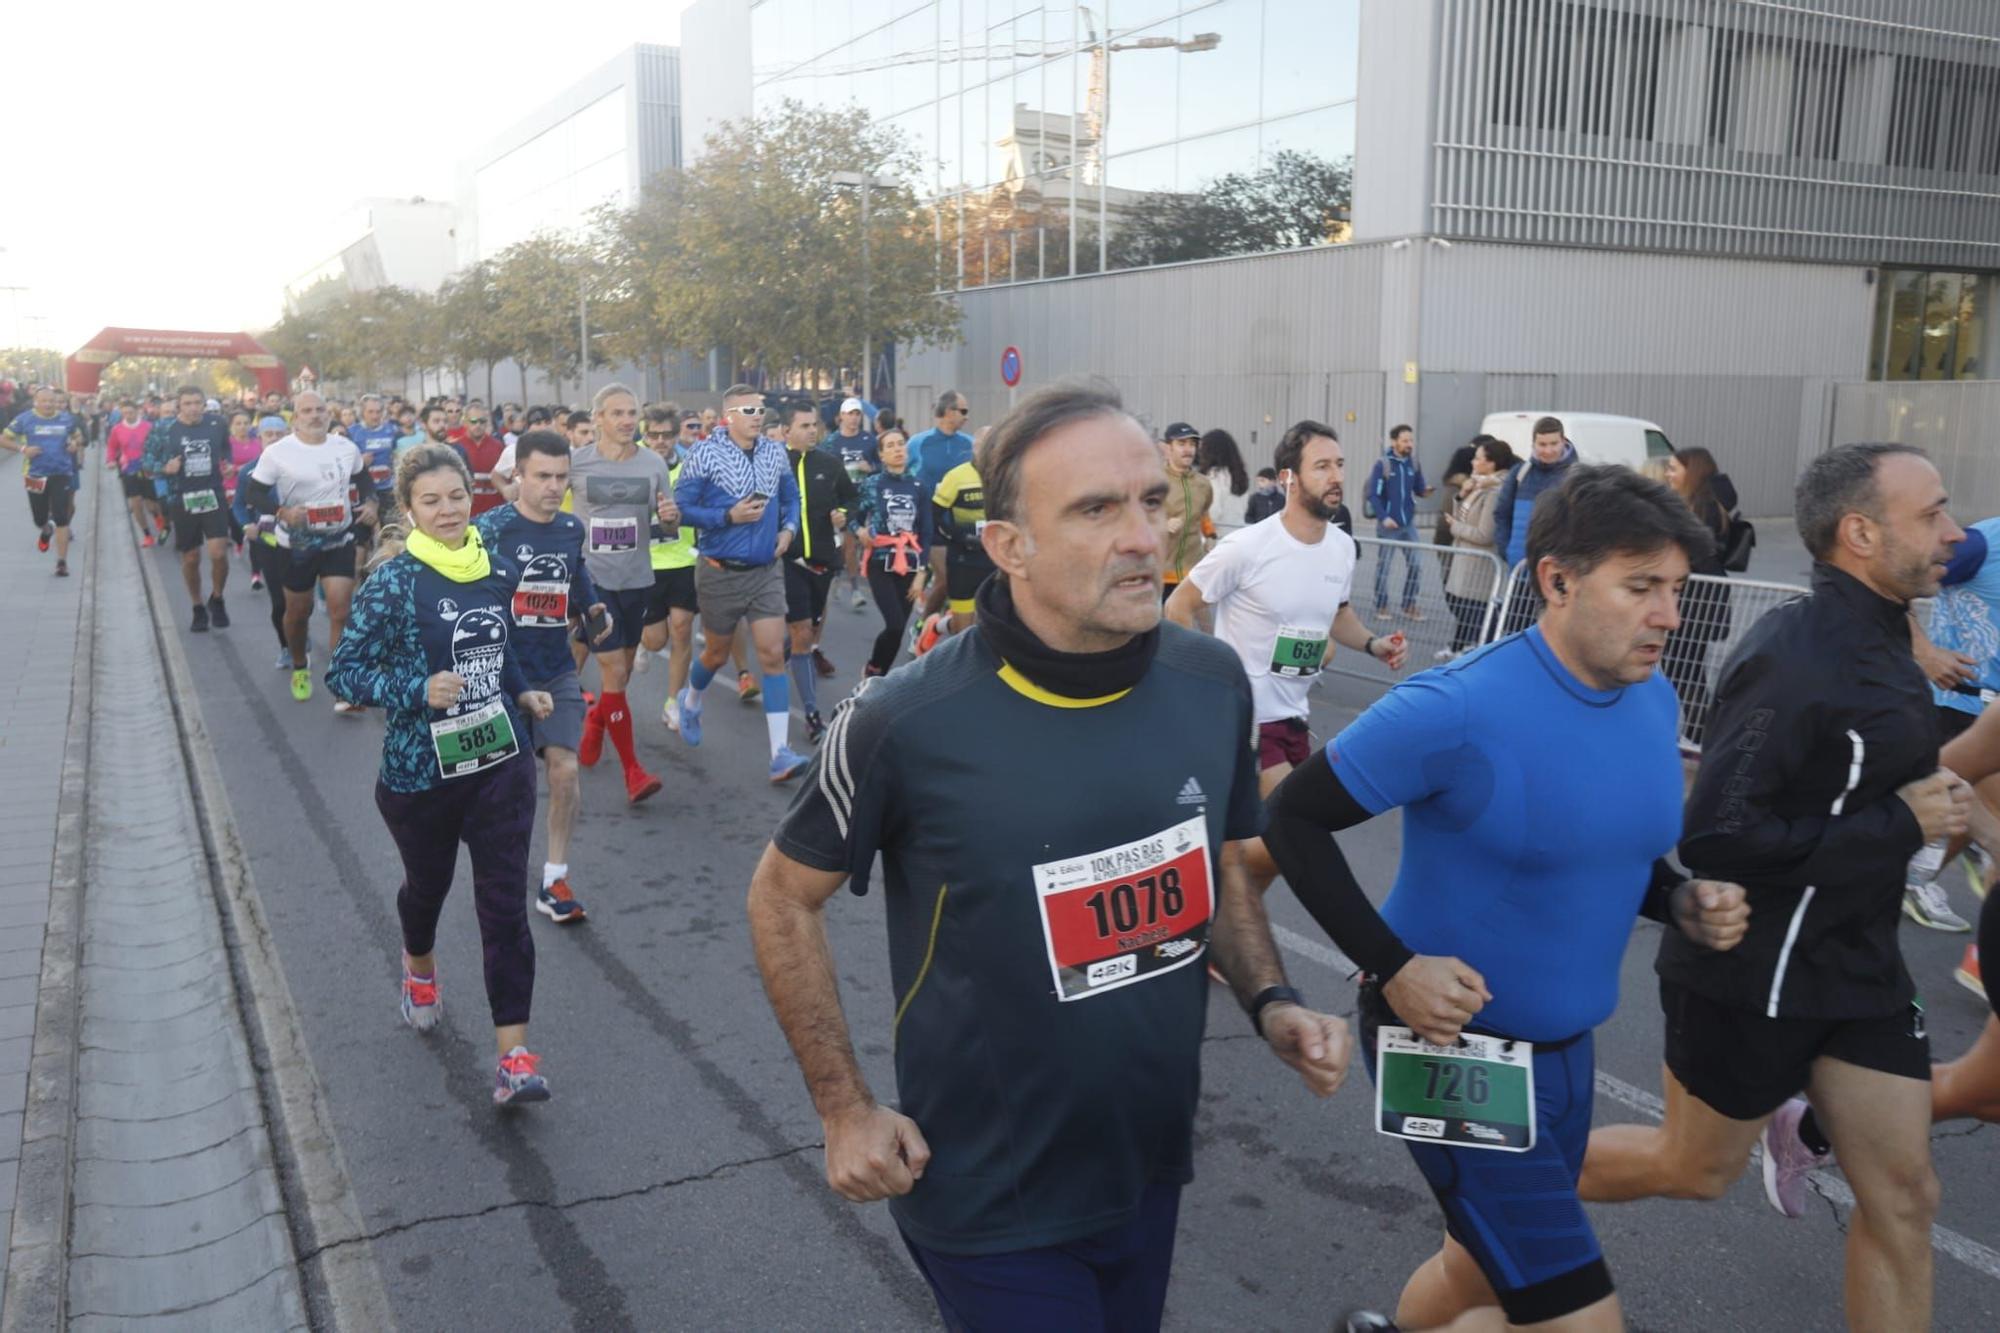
x: 1010, y: 367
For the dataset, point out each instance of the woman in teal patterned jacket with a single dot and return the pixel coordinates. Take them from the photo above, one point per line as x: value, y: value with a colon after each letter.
x: 428, y: 641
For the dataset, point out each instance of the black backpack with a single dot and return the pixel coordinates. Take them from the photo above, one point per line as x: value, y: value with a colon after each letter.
x: 1737, y: 545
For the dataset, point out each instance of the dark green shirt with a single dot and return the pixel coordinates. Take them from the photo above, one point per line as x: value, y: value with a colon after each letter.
x: 1050, y: 867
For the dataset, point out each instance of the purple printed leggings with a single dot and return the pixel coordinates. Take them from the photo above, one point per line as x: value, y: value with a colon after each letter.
x: 493, y: 814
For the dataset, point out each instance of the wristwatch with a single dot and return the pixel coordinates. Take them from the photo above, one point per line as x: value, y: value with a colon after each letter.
x: 1267, y: 997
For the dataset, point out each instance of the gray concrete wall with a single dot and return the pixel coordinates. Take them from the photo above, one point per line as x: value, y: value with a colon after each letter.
x: 1734, y: 355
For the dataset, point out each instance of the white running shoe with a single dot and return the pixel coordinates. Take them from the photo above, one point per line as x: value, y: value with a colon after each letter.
x: 642, y: 661
x: 670, y: 713
x: 1927, y: 905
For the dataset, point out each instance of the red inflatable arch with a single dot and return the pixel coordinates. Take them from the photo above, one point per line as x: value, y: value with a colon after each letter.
x: 85, y: 369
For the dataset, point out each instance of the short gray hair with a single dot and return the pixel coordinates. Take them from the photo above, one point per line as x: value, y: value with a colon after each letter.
x: 606, y: 394
x: 1046, y: 409
x: 1838, y: 483
x: 947, y: 401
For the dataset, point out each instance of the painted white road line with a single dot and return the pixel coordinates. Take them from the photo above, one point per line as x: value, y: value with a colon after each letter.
x: 1944, y: 1240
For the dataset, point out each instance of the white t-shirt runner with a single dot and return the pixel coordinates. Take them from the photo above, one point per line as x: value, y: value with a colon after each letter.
x: 1275, y: 599
x: 316, y: 476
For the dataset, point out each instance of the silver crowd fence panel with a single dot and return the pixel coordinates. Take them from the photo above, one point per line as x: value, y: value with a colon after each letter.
x: 1442, y: 599
x: 1410, y: 587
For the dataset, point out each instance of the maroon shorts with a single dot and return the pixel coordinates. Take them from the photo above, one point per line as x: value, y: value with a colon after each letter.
x: 1285, y: 742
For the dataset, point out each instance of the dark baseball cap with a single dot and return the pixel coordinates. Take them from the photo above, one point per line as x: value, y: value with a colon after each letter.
x: 1180, y: 430
x: 1967, y: 558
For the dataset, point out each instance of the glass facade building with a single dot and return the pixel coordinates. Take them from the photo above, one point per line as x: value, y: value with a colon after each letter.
x: 550, y: 182
x: 1061, y: 139
x: 595, y: 142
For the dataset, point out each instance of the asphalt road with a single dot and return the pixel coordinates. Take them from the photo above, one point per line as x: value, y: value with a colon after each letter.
x: 675, y: 1180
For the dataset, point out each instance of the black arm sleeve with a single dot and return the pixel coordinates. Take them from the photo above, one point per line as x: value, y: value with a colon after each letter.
x: 260, y: 496
x: 1659, y: 900
x: 1309, y: 806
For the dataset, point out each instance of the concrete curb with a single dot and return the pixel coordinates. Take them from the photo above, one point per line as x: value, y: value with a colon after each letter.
x: 329, y: 1235
x: 37, y: 1290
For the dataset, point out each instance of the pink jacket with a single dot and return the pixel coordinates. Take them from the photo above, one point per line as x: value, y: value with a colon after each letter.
x: 126, y: 445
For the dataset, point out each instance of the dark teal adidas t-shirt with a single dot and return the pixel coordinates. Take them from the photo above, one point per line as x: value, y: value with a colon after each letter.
x: 1050, y: 868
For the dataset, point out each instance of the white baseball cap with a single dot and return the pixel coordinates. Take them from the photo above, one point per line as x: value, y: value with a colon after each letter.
x: 852, y: 405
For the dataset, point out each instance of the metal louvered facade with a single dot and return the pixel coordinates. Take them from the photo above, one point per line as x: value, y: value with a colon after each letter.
x: 1862, y: 131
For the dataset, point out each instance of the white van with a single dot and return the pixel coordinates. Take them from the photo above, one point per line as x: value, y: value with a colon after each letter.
x: 1598, y: 438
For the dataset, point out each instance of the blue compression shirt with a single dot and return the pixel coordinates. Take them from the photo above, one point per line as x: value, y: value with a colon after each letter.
x: 1533, y: 810
x: 378, y: 450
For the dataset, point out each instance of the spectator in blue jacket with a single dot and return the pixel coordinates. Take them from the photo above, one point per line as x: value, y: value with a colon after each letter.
x: 1553, y: 457
x: 1395, y: 484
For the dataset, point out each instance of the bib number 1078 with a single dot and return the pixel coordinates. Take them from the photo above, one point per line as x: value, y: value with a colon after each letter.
x: 1126, y: 914
x: 1130, y: 905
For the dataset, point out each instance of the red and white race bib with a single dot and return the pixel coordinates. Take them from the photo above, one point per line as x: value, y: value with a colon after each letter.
x: 539, y: 605
x: 326, y: 518
x: 1127, y: 913
x: 35, y: 485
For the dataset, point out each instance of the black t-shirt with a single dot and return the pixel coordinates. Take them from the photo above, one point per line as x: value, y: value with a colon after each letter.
x: 203, y: 448
x: 1050, y: 868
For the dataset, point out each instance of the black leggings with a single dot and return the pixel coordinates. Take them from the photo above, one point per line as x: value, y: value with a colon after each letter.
x: 892, y: 595
x: 493, y: 814
x: 1469, y: 614
x: 266, y: 560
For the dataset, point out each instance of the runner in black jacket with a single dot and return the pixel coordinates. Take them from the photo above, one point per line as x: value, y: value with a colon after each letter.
x: 1819, y: 781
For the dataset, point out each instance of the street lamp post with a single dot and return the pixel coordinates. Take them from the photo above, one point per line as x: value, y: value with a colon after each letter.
x: 865, y: 182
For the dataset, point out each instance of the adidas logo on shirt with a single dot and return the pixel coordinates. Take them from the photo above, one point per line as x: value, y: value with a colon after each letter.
x: 1191, y: 794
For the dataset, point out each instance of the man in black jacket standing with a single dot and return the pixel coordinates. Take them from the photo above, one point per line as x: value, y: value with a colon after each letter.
x: 1819, y: 781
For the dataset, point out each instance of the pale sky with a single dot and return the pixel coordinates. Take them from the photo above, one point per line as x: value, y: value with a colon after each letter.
x: 189, y: 142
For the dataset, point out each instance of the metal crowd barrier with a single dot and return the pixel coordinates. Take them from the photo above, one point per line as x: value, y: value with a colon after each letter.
x: 1445, y: 624
x: 1715, y: 614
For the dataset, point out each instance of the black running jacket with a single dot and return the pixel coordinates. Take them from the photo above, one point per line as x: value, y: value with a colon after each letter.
x: 1820, y: 715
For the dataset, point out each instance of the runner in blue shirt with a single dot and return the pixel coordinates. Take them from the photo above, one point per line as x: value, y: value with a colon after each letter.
x: 945, y: 445
x: 50, y: 439
x: 554, y: 594
x: 1523, y: 868
x: 375, y: 436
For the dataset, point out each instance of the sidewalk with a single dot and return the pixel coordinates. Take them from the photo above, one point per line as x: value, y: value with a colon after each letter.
x: 37, y: 655
x: 147, y: 1182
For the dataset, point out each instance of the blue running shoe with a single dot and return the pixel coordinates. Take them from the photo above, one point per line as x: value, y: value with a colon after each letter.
x: 516, y: 1081
x: 690, y: 716
x: 558, y: 904
x: 786, y: 764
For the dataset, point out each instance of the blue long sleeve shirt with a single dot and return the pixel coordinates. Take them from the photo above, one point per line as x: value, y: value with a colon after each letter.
x: 717, y: 475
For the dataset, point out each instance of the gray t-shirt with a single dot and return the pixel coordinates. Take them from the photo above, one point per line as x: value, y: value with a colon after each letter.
x: 617, y: 503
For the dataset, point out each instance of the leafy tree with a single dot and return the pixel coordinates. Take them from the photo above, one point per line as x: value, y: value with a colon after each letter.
x: 758, y: 249
x: 536, y: 285
x: 468, y: 328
